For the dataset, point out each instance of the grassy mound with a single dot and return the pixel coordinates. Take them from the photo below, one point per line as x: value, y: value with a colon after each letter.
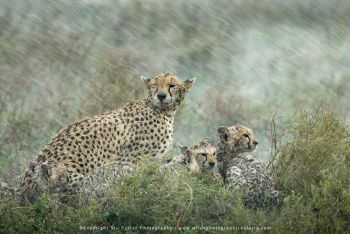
x: 148, y: 198
x: 312, y: 171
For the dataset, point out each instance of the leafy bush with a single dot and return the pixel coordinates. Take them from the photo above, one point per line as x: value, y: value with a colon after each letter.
x: 319, y: 148
x: 147, y: 198
x: 313, y: 170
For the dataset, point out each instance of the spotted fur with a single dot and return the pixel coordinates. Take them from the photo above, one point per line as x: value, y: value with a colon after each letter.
x: 122, y: 136
x: 199, y: 158
x: 241, y: 171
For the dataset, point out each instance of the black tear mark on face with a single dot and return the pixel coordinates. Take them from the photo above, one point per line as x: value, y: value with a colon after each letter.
x: 168, y: 161
x: 187, y: 160
x: 203, y: 156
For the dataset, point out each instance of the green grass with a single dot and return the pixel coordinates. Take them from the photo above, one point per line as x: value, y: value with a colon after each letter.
x: 313, y: 177
x: 62, y: 61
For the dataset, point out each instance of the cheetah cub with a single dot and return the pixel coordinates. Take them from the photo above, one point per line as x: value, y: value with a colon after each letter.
x: 242, y: 171
x: 199, y: 158
x: 121, y: 137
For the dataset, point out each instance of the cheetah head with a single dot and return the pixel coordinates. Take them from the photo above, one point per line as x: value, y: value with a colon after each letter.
x: 166, y: 91
x: 237, y: 138
x: 200, y: 157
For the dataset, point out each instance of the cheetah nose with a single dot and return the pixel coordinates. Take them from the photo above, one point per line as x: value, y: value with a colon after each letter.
x: 255, y: 143
x: 211, y: 164
x: 161, y: 96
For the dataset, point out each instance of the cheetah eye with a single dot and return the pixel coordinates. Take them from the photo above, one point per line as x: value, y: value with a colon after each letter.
x: 246, y: 135
x: 172, y: 86
x: 203, y: 155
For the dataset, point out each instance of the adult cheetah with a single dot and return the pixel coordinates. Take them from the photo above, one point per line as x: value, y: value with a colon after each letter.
x: 123, y: 136
x: 242, y: 171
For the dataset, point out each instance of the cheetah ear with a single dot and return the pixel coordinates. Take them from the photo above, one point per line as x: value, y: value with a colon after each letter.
x: 145, y: 79
x: 223, y: 133
x: 184, y: 149
x: 222, y: 129
x: 206, y: 140
x: 196, y: 146
x: 238, y: 126
x: 188, y: 83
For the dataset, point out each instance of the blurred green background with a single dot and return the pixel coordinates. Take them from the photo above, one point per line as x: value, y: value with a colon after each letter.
x: 63, y: 60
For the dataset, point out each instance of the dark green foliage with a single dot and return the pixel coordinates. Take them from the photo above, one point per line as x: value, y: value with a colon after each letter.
x: 313, y: 171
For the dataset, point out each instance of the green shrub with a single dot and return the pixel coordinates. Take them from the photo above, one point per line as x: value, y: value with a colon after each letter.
x: 319, y: 146
x: 147, y: 198
x: 151, y: 198
x: 313, y: 172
